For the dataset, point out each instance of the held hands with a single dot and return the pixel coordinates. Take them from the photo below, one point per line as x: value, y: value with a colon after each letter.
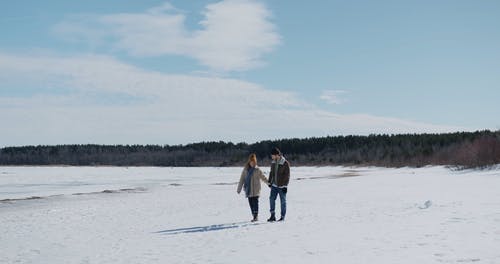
x: 284, y: 190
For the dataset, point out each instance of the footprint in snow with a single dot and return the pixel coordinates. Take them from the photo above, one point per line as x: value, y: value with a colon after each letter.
x: 426, y: 205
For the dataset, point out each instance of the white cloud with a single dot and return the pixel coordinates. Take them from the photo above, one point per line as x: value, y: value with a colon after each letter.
x: 333, y: 96
x: 167, y: 109
x: 233, y: 35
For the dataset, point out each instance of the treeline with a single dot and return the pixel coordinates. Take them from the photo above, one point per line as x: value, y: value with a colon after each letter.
x: 462, y: 149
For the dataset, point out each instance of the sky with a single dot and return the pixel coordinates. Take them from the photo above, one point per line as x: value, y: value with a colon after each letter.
x: 177, y: 72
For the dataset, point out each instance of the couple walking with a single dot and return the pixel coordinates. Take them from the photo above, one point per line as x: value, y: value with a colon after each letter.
x: 278, y: 182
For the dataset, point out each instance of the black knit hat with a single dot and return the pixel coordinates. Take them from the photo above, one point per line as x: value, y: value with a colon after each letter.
x: 275, y: 151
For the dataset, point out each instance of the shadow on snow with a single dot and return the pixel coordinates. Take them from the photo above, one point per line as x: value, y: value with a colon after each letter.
x: 198, y: 229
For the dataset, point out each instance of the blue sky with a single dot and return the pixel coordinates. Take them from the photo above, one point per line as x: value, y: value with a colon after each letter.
x: 118, y: 72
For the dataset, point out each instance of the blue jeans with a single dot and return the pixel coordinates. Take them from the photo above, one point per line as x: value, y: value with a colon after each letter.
x: 272, y: 200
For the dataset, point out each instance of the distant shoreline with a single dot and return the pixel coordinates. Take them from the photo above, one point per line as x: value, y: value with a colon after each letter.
x: 462, y: 149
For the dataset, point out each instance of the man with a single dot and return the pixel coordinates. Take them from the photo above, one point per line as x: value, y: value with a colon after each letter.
x: 278, y: 181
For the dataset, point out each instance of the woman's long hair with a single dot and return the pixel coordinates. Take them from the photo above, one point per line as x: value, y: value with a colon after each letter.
x: 251, y: 158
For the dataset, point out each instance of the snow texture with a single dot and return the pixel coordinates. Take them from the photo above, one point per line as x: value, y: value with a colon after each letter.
x: 193, y: 215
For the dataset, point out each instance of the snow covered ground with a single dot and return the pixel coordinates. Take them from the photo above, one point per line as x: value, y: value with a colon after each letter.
x: 193, y: 215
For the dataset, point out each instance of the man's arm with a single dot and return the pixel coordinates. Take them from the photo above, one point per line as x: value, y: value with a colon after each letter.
x: 271, y: 175
x: 287, y: 173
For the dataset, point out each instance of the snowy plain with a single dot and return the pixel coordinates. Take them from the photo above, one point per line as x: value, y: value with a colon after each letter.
x: 193, y: 215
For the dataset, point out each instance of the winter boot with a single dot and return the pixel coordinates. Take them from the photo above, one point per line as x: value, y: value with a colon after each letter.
x: 255, y: 219
x: 272, y: 218
x: 281, y: 219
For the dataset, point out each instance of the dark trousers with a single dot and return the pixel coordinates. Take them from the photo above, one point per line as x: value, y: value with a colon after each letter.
x: 254, y: 204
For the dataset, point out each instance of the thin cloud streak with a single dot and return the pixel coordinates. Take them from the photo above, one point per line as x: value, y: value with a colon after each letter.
x: 333, y: 97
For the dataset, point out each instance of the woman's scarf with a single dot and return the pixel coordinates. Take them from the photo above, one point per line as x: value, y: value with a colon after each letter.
x: 248, y: 180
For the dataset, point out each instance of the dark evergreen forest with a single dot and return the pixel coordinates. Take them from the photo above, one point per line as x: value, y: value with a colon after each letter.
x: 461, y: 149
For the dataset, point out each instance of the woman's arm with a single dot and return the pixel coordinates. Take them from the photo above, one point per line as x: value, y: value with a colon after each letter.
x: 263, y: 178
x: 242, y: 179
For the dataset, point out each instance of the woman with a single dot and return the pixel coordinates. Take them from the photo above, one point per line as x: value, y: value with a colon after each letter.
x: 250, y: 179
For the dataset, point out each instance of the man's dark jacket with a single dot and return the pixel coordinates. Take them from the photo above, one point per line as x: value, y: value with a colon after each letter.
x: 283, y: 176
